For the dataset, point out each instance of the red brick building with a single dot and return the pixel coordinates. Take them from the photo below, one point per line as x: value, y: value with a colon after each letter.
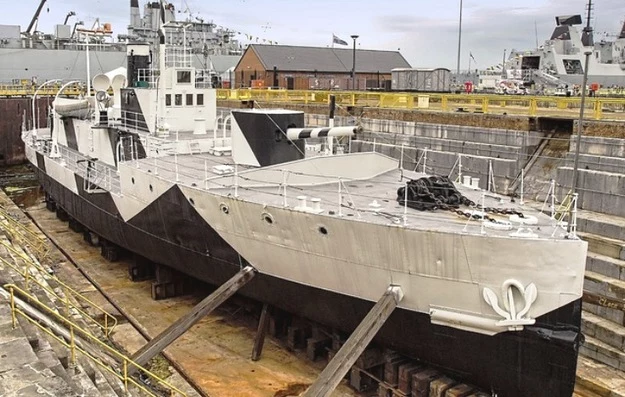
x: 323, y: 68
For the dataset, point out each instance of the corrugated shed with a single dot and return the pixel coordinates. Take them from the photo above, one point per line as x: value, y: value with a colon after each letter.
x: 325, y: 59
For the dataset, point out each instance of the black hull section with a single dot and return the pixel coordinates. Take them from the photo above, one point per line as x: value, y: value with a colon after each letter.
x: 539, y: 361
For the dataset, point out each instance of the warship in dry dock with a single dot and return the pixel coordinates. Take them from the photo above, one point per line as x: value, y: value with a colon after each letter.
x: 487, y: 290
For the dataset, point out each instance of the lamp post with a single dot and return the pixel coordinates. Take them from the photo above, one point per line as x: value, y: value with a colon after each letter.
x: 459, y: 40
x: 354, y: 37
x: 580, y: 124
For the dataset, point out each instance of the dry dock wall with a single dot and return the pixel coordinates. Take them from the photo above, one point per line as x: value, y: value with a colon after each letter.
x: 13, y: 112
x: 505, y: 151
x: 601, y: 181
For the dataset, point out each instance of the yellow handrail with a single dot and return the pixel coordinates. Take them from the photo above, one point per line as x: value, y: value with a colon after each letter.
x: 17, y: 90
x: 110, y: 322
x: 20, y: 232
x: 564, y: 207
x: 484, y: 103
x: 123, y: 376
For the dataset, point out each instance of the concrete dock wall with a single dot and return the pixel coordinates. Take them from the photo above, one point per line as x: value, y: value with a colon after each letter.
x: 505, y: 150
x: 599, y: 191
x: 599, y: 146
x: 444, y: 163
x: 601, y: 181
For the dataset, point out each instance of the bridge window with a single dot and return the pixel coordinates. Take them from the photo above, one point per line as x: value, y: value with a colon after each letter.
x: 184, y: 76
x: 168, y: 100
x: 200, y: 100
x: 189, y: 99
x: 573, y: 66
x: 178, y: 101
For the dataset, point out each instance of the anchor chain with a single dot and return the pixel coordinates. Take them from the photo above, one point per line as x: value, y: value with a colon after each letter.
x: 438, y: 192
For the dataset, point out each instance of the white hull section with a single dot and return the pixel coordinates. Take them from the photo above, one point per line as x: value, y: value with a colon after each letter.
x: 436, y: 271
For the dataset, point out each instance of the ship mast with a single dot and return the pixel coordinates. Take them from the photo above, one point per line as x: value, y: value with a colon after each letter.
x: 580, y: 123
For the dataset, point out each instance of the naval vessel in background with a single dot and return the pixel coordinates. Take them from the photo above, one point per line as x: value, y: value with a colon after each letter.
x: 487, y: 290
x: 560, y: 60
x: 38, y: 57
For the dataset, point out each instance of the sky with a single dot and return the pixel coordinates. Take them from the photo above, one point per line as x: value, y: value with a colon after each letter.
x: 424, y: 31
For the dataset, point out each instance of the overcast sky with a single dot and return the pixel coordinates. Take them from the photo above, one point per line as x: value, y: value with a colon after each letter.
x: 425, y: 31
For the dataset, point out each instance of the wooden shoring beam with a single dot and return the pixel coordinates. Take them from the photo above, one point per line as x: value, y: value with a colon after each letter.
x: 182, y: 325
x: 345, y: 358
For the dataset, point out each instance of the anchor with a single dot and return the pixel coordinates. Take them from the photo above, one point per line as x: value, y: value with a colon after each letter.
x: 513, y: 320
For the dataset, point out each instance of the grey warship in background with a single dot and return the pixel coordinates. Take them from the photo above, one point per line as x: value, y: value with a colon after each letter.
x: 560, y: 60
x: 38, y: 57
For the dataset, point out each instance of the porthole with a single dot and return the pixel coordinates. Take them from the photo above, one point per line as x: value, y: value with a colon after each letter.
x: 224, y: 208
x: 267, y: 217
x: 151, y: 188
x: 323, y: 230
x: 132, y: 180
x: 192, y: 202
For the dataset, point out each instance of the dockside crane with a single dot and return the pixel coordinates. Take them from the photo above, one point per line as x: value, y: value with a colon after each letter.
x: 35, y: 17
x: 68, y: 16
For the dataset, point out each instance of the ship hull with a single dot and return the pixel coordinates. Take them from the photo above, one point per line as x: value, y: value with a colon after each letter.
x: 539, y: 361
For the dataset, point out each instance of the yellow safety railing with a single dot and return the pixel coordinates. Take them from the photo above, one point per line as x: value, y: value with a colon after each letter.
x: 17, y: 90
x: 597, y: 107
x: 19, y: 232
x: 109, y: 321
x: 565, y: 207
x: 483, y: 103
x: 74, y: 348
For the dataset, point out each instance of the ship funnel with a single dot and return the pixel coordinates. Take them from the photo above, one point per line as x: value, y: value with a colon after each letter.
x: 138, y: 56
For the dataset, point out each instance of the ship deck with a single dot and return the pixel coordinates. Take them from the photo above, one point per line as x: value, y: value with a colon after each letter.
x: 368, y: 185
x: 367, y: 182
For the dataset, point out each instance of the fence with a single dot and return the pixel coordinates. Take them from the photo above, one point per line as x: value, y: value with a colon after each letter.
x: 596, y: 108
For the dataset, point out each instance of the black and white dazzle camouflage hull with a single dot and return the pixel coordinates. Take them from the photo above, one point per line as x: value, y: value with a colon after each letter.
x: 538, y: 361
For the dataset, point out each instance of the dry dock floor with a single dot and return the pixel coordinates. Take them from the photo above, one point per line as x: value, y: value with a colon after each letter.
x: 215, y: 353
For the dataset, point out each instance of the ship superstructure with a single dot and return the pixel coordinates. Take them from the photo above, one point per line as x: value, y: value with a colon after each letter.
x: 560, y: 60
x: 38, y: 56
x: 489, y: 290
